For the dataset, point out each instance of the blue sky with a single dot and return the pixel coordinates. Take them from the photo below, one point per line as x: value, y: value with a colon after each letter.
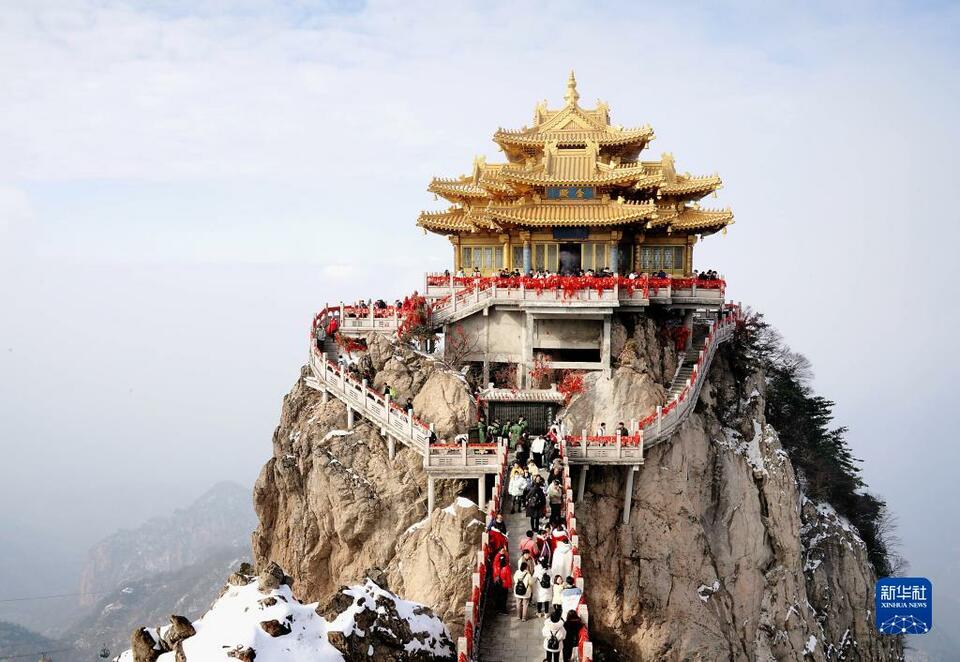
x: 183, y: 183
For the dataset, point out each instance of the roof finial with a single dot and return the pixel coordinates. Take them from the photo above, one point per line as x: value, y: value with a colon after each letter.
x: 571, y: 96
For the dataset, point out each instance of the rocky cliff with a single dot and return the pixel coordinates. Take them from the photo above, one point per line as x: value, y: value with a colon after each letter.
x: 260, y: 618
x: 335, y: 509
x: 722, y: 557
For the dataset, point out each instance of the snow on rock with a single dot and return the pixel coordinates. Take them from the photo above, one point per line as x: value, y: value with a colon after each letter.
x: 706, y: 591
x: 459, y: 504
x: 274, y: 626
x: 376, y: 617
x: 757, y: 450
x: 811, y: 645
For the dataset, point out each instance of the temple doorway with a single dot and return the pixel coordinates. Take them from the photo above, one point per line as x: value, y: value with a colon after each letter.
x: 569, y: 258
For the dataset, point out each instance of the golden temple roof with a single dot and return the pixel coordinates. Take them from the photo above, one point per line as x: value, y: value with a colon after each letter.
x: 567, y: 150
x: 570, y: 126
x: 542, y: 213
x: 451, y: 220
x: 462, y: 187
x: 692, y: 219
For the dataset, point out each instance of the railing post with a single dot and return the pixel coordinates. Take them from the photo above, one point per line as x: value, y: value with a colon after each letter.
x: 426, y: 455
x: 410, y: 423
x: 583, y: 442
x: 619, y: 446
x: 386, y: 407
x: 363, y: 395
x: 659, y: 420
x: 640, y: 432
x: 341, y: 313
x: 463, y: 451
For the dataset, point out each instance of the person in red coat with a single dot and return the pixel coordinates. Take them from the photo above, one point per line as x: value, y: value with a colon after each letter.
x: 503, y: 581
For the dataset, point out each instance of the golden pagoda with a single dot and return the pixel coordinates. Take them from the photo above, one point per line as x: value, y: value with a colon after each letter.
x: 573, y: 195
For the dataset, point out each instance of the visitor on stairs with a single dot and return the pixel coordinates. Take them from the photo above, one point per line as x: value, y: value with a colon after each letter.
x: 542, y: 587
x: 526, y: 558
x: 503, y: 583
x: 543, y: 539
x: 558, y: 533
x: 523, y: 449
x: 529, y: 544
x: 535, y: 502
x: 572, y: 625
x: 516, y: 488
x: 536, y: 449
x: 555, y: 498
x: 622, y: 430
x: 551, y: 453
x: 562, y: 564
x: 556, y: 594
x: 553, y: 633
x: 533, y: 468
x: 498, y: 524
x: 522, y: 590
x: 602, y: 430
x: 481, y: 431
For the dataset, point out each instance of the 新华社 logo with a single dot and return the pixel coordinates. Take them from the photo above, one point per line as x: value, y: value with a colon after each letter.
x: 904, y: 605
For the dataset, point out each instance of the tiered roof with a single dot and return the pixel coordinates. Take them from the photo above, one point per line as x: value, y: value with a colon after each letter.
x: 573, y: 168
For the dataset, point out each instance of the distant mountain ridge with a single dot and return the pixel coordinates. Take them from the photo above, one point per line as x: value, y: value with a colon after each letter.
x: 188, y: 591
x: 221, y: 520
x: 16, y: 640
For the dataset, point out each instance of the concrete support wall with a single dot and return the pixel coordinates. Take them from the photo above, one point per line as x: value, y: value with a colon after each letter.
x: 628, y: 494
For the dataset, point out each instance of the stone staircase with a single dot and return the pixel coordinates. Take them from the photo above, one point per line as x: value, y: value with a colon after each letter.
x: 684, y: 372
x: 393, y: 423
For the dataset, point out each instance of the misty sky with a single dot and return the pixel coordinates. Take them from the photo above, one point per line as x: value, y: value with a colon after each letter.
x: 183, y: 183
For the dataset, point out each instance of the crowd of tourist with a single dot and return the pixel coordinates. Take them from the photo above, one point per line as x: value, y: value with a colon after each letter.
x: 542, y: 577
x: 603, y: 272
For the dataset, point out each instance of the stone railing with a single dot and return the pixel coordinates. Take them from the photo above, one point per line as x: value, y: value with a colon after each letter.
x: 463, y: 296
x: 474, y: 609
x: 376, y: 407
x: 584, y: 646
x: 398, y: 424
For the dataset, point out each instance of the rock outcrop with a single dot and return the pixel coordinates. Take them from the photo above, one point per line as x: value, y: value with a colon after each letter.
x: 644, y: 368
x: 263, y: 621
x: 722, y: 557
x: 335, y: 509
x: 440, y: 395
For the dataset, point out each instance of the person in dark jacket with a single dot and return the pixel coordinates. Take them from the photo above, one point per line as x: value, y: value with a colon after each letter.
x: 498, y: 524
x: 572, y: 625
x: 535, y: 500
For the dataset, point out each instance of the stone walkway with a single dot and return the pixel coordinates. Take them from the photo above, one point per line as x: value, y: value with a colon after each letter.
x: 504, y: 637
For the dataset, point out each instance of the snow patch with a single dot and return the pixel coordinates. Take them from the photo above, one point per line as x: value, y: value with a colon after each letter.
x: 704, y: 592
x: 811, y: 645
x: 233, y: 623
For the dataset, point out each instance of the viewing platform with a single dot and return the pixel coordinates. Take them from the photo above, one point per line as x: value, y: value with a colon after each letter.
x: 457, y: 298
